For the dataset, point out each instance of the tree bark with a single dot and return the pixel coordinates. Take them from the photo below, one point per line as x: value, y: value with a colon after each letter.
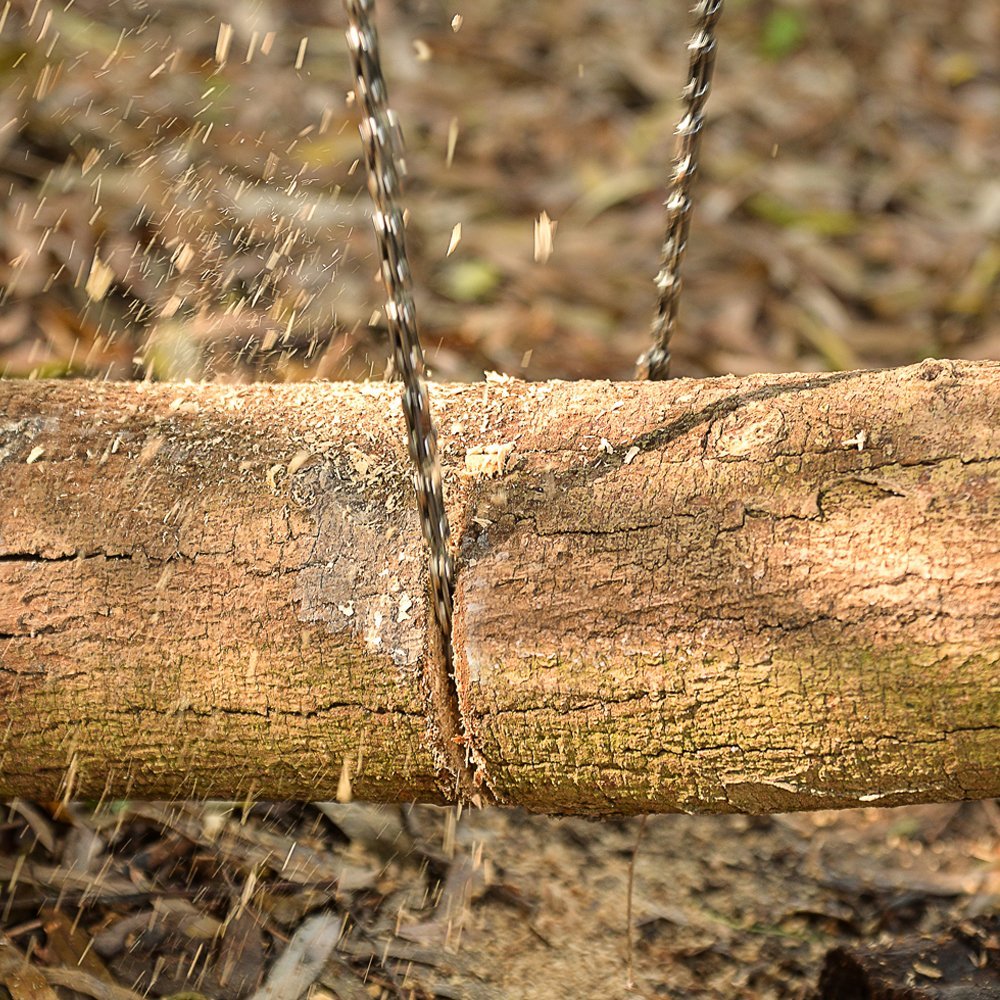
x: 759, y: 594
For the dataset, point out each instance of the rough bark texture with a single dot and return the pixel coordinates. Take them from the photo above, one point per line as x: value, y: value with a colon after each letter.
x: 751, y: 594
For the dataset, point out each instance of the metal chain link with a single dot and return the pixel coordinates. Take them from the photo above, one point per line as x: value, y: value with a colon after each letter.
x: 655, y: 363
x: 383, y: 151
x: 384, y: 159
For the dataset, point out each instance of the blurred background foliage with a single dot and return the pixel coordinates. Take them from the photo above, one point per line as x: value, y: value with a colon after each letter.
x: 182, y: 197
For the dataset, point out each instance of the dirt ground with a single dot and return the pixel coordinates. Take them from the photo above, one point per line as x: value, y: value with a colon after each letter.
x: 182, y: 198
x: 203, y: 900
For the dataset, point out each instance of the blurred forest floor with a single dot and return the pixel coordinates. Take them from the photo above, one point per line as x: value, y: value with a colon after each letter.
x: 183, y: 199
x: 183, y: 202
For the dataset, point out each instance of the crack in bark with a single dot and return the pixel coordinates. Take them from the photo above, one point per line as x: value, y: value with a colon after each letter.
x: 656, y: 439
x: 41, y: 557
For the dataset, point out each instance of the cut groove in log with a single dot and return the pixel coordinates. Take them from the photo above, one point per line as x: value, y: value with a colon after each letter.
x: 758, y: 594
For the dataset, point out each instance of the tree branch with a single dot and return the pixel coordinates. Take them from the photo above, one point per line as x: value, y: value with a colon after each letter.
x: 758, y: 594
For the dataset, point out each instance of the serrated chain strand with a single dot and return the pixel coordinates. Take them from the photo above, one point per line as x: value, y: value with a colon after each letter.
x: 655, y: 363
x: 383, y: 151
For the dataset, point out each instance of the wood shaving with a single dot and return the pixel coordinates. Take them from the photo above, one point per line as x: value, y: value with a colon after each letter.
x: 488, y: 460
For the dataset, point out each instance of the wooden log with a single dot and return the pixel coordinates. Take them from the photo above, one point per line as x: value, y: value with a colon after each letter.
x: 758, y: 594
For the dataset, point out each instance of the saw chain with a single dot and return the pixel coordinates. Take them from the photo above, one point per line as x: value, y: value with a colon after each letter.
x: 655, y: 363
x: 383, y: 151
